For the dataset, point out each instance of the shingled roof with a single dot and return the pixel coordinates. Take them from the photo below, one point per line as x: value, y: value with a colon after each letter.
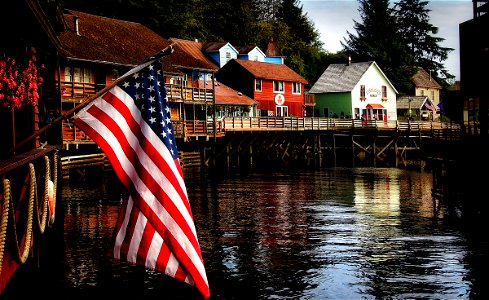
x: 265, y: 70
x: 226, y: 95
x: 425, y: 80
x: 246, y: 49
x: 106, y: 40
x: 414, y: 102
x: 188, y: 54
x: 340, y: 77
x: 212, y: 46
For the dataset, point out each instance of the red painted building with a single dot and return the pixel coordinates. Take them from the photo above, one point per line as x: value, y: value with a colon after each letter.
x: 278, y: 89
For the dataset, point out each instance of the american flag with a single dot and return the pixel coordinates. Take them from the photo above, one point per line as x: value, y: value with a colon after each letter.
x: 131, y: 124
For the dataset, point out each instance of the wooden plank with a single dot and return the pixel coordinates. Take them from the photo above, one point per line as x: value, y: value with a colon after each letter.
x: 24, y: 158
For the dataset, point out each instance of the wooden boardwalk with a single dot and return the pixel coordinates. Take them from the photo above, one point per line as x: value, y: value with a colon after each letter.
x: 306, y: 138
x: 334, y: 124
x: 313, y: 141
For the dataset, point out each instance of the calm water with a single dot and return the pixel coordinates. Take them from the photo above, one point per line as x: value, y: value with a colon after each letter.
x: 362, y: 233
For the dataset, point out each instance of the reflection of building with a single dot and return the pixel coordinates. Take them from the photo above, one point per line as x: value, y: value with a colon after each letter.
x: 474, y: 63
x: 378, y: 197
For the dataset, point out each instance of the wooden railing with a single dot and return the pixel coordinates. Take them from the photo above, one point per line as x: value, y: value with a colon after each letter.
x: 178, y: 93
x: 309, y: 99
x: 183, y: 129
x: 318, y: 123
x: 74, y: 135
x: 78, y: 91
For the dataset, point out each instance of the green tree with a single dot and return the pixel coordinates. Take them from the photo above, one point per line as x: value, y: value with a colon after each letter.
x: 299, y: 40
x: 240, y: 22
x: 419, y: 35
x: 378, y: 39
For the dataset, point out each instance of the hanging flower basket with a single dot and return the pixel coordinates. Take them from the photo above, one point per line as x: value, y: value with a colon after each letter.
x: 19, y: 84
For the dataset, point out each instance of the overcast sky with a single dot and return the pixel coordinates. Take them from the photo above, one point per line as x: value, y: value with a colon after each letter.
x: 333, y: 18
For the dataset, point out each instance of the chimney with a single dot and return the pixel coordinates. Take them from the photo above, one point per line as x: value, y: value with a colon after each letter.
x: 75, y: 25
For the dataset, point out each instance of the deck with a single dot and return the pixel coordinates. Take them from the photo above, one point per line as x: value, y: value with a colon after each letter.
x: 309, y: 136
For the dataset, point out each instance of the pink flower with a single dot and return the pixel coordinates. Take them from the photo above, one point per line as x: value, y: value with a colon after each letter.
x: 18, y: 84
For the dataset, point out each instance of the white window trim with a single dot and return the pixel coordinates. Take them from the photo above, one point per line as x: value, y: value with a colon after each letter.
x: 283, y: 86
x: 282, y: 111
x: 299, y: 87
x: 261, y: 85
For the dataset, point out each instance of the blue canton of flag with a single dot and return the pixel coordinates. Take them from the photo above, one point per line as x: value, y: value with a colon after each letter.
x: 150, y: 96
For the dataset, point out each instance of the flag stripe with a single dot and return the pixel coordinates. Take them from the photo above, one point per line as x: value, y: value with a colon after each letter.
x: 163, y: 254
x: 171, y: 229
x: 131, y: 124
x: 145, y: 176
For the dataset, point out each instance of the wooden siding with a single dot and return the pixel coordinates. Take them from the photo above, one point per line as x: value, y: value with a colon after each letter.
x: 74, y: 93
x: 266, y: 98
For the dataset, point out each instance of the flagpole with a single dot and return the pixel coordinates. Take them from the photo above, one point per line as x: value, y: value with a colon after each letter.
x: 66, y: 115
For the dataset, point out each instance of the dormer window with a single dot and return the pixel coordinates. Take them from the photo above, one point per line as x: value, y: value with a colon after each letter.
x: 228, y: 56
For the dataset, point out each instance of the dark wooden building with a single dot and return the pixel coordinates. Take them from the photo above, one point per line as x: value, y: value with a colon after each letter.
x: 474, y: 63
x: 28, y: 56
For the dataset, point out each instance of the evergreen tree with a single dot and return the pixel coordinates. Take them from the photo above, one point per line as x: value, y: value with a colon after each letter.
x: 239, y: 22
x: 378, y: 39
x: 298, y: 39
x: 418, y: 34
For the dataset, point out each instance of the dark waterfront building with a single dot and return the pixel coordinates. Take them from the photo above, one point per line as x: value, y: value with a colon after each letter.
x: 474, y: 63
x: 466, y: 165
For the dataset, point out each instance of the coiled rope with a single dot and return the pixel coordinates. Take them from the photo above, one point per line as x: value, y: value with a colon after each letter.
x: 4, y: 220
x: 22, y: 257
x: 7, y: 205
x: 41, y: 220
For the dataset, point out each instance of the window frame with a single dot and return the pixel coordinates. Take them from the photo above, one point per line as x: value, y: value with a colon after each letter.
x: 296, y: 88
x: 362, y: 91
x: 258, y: 84
x: 278, y: 84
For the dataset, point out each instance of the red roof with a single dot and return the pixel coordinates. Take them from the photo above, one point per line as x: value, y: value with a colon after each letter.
x: 188, y: 54
x: 226, y: 95
x: 106, y: 40
x: 266, y: 70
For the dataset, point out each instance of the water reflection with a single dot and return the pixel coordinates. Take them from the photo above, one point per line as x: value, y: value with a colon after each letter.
x: 363, y: 233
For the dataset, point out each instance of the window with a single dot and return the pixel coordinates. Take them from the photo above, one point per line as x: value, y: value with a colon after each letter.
x: 77, y: 74
x: 278, y: 86
x: 114, y: 74
x: 228, y: 56
x: 282, y: 111
x: 296, y: 88
x: 257, y: 84
x: 432, y: 96
x: 362, y: 92
x: 255, y: 58
x: 68, y: 74
x: 81, y: 75
x: 384, y: 92
x: 87, y: 75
